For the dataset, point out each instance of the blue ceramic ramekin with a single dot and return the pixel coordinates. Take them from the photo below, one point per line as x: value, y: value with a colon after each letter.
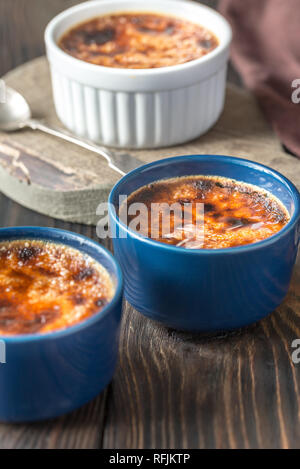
x: 207, y: 290
x: 48, y: 375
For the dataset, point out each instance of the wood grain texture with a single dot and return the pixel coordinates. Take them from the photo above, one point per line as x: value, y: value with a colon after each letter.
x: 232, y: 390
x: 81, y: 429
x: 171, y: 389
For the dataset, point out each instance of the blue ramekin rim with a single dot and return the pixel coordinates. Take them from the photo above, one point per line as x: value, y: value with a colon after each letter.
x: 218, y: 158
x: 44, y: 234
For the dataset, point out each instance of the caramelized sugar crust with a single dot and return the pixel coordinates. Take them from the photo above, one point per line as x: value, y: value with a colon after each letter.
x: 138, y: 40
x: 45, y: 287
x: 235, y: 214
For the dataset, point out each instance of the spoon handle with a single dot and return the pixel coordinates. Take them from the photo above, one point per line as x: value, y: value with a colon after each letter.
x: 121, y: 163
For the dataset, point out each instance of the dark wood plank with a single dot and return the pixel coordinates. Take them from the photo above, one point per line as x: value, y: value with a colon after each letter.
x: 232, y: 390
x: 80, y: 430
x: 22, y: 25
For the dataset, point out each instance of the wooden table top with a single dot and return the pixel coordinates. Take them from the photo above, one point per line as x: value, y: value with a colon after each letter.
x: 171, y: 389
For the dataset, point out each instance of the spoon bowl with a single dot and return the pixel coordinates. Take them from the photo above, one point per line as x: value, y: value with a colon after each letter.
x: 14, y: 112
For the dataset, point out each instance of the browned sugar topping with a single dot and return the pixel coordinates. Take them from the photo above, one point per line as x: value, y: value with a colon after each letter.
x: 138, y: 40
x: 45, y: 287
x: 235, y: 214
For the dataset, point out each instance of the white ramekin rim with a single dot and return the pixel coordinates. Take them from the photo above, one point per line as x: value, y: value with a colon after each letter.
x: 164, y: 78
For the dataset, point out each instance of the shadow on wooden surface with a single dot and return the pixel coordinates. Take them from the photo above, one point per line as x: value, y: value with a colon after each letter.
x: 233, y: 390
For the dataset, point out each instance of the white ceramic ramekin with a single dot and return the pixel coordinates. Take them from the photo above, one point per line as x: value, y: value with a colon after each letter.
x: 139, y: 108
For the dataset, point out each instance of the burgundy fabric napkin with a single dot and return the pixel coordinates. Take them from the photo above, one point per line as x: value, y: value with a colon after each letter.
x: 266, y: 52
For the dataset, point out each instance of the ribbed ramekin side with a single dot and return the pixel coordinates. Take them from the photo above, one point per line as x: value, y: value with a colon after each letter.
x: 139, y: 119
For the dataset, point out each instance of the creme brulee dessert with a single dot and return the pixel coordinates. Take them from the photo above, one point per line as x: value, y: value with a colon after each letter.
x: 138, y: 40
x: 235, y: 213
x: 45, y: 287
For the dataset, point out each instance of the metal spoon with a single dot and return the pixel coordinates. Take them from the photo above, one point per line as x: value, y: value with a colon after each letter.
x: 15, y: 114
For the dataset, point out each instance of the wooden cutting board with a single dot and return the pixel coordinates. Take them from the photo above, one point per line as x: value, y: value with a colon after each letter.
x: 65, y: 182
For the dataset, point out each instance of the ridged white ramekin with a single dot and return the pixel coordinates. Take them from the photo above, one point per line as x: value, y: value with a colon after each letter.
x: 139, y: 108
